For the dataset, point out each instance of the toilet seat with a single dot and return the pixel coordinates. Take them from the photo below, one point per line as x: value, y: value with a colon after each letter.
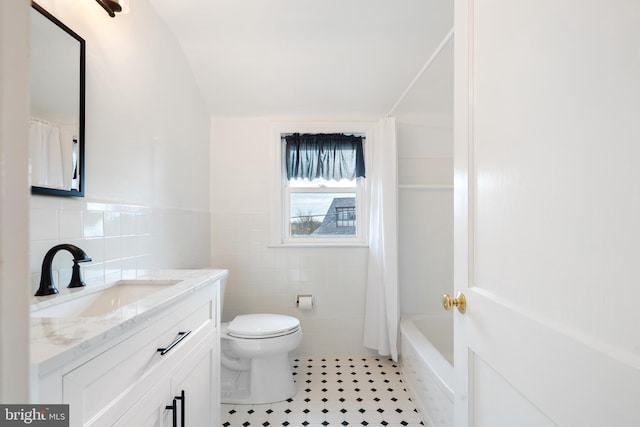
x: 258, y: 326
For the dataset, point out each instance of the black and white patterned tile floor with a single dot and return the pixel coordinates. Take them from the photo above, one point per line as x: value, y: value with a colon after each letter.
x: 356, y: 391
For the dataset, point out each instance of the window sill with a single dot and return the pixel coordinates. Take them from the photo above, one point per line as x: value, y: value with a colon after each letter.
x: 318, y: 245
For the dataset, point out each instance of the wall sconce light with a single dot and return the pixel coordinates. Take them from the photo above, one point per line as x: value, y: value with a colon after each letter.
x: 114, y: 6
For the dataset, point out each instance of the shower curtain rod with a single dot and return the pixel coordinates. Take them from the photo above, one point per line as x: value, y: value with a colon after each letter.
x: 424, y: 68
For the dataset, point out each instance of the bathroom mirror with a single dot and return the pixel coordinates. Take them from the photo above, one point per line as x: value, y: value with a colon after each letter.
x: 56, y: 128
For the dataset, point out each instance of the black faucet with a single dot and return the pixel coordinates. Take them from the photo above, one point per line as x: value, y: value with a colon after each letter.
x: 47, y: 287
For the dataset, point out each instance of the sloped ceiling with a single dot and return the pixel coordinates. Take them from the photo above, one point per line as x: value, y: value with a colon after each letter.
x: 305, y: 58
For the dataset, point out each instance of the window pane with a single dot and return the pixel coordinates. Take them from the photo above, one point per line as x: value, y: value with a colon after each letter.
x: 323, y: 214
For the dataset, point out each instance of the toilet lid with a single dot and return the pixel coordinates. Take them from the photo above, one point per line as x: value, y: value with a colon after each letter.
x: 262, y: 325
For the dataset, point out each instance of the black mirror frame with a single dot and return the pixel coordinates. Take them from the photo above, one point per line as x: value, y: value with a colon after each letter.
x: 81, y: 168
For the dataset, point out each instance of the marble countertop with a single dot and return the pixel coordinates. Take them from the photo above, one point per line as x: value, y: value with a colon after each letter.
x: 59, y: 340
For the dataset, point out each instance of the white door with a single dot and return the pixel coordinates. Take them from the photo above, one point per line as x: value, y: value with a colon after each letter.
x: 547, y: 212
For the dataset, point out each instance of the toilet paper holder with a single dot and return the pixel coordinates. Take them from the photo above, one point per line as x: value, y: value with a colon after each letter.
x: 298, y: 296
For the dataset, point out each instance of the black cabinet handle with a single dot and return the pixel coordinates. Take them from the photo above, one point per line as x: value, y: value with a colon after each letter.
x: 174, y: 407
x: 180, y: 337
x: 175, y: 413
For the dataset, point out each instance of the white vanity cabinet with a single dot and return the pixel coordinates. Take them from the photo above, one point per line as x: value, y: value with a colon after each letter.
x: 183, y: 399
x: 131, y: 382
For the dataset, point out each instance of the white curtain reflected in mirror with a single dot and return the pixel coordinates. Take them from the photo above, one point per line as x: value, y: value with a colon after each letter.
x: 54, y: 154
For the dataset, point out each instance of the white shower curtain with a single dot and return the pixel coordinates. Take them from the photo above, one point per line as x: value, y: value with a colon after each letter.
x: 382, y: 313
x: 46, y: 154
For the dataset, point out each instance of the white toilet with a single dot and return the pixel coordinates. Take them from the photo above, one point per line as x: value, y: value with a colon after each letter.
x: 255, y: 358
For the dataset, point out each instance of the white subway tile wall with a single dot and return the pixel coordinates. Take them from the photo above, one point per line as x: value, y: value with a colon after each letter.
x: 266, y: 279
x: 123, y: 240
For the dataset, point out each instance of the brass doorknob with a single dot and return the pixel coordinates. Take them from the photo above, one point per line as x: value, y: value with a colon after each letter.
x: 459, y: 301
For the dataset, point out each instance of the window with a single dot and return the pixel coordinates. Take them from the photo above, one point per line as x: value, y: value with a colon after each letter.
x: 346, y: 216
x: 322, y: 182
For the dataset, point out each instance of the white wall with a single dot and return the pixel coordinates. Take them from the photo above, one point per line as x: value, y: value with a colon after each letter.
x: 425, y: 212
x: 147, y: 153
x: 266, y: 279
x: 14, y: 202
x: 425, y: 197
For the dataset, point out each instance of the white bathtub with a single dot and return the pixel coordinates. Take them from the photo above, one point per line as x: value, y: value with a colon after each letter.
x: 427, y: 365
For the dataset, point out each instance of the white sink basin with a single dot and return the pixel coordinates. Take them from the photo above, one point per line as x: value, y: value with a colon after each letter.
x: 85, y: 303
